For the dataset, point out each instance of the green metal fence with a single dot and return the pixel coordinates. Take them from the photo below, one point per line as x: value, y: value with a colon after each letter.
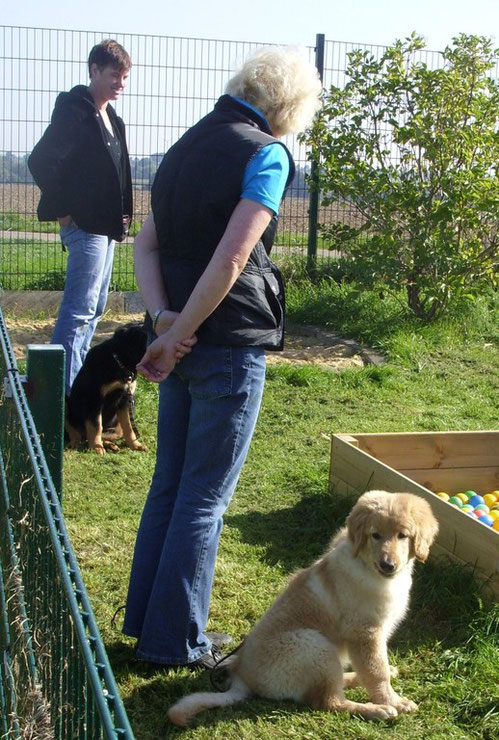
x: 55, y: 677
x: 174, y: 81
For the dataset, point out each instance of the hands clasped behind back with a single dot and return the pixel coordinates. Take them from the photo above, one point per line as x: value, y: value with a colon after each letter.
x: 164, y: 352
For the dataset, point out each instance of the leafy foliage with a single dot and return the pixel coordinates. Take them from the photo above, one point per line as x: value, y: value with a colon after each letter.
x: 415, y: 151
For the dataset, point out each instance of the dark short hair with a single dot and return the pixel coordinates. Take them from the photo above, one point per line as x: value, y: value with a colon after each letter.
x: 109, y: 53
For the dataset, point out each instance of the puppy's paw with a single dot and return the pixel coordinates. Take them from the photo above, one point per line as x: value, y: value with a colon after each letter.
x: 137, y: 446
x: 404, y: 706
x: 381, y: 712
x: 99, y: 449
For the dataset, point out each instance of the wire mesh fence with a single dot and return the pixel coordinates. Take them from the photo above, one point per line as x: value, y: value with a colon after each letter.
x: 174, y: 81
x: 55, y: 678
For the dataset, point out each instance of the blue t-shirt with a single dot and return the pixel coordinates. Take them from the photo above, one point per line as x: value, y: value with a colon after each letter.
x: 266, y: 175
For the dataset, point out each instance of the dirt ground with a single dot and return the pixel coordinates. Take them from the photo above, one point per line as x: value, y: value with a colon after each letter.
x: 303, y: 344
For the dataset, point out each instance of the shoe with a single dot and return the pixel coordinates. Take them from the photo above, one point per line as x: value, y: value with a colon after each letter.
x: 219, y: 639
x: 208, y: 661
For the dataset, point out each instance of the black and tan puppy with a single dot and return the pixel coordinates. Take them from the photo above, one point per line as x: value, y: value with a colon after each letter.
x: 103, y: 391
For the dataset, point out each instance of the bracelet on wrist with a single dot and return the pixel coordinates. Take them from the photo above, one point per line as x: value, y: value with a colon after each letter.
x: 155, y: 318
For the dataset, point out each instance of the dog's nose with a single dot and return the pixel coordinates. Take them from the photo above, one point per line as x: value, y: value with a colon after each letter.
x: 387, y: 566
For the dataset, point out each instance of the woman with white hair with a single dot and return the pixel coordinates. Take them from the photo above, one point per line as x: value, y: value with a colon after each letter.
x: 216, y: 302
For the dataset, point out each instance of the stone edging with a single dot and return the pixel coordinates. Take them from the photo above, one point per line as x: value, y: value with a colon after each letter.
x: 369, y: 355
x: 47, y: 301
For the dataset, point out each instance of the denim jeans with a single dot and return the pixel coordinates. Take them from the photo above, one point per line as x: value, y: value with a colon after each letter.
x: 207, y: 413
x: 88, y: 274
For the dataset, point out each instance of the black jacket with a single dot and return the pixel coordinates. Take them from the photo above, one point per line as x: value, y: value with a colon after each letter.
x: 195, y: 191
x: 74, y: 170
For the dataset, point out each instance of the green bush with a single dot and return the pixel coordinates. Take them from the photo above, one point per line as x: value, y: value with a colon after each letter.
x: 415, y: 151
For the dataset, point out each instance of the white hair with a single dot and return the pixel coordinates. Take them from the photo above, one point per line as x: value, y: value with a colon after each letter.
x: 283, y: 84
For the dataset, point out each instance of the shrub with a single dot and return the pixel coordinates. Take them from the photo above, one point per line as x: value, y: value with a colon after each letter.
x: 416, y: 152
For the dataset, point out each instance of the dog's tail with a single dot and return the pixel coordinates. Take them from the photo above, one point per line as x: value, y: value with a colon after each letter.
x: 184, y: 710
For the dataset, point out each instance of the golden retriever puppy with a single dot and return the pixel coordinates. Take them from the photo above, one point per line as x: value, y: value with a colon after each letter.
x: 341, y: 610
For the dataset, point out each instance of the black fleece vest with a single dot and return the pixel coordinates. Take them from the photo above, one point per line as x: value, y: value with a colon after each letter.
x: 194, y: 193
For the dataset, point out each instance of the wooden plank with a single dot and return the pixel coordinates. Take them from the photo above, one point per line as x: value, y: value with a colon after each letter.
x: 358, y: 471
x: 455, y: 480
x: 433, y: 449
x: 353, y: 470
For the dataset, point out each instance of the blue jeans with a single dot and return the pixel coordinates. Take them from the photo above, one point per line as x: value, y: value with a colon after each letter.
x: 88, y: 274
x: 207, y: 413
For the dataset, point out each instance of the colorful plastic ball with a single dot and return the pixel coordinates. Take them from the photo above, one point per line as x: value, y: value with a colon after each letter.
x: 490, y: 499
x: 456, y: 502
x: 464, y: 497
x: 483, y: 507
x: 444, y: 496
x: 494, y: 514
x: 495, y: 507
x: 471, y: 493
x: 485, y: 519
x: 467, y: 507
x: 480, y: 512
x: 470, y: 512
x: 496, y: 525
x: 475, y: 499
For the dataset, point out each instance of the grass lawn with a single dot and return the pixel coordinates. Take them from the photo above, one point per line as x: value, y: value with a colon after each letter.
x: 441, y: 377
x: 39, y: 263
x: 35, y: 260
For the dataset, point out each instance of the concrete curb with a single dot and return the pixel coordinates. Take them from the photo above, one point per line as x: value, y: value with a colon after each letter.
x: 48, y: 301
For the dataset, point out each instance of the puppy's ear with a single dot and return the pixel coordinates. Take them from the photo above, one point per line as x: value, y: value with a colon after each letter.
x: 425, y: 528
x: 357, y: 525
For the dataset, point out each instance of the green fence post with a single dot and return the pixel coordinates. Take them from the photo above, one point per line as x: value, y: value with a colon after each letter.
x: 45, y: 393
x: 313, y: 200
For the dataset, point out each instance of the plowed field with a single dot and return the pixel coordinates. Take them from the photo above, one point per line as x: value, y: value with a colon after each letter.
x: 23, y: 199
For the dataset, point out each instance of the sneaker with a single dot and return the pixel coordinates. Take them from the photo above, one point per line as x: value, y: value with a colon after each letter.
x: 208, y: 661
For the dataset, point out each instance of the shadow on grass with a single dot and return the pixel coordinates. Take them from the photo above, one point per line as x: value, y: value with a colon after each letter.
x: 297, y: 535
x: 446, y: 601
x: 148, y: 695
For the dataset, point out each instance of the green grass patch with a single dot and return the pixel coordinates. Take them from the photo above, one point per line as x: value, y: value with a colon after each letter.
x: 30, y: 262
x: 19, y: 222
x: 297, y: 239
x: 439, y: 377
x: 13, y: 221
x: 40, y: 264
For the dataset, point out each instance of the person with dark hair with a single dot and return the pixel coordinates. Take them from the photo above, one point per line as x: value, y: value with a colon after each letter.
x: 82, y: 168
x: 202, y: 266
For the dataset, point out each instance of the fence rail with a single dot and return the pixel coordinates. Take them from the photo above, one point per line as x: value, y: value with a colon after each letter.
x: 55, y: 677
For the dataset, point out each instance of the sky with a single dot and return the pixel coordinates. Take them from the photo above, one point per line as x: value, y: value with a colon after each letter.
x: 290, y: 22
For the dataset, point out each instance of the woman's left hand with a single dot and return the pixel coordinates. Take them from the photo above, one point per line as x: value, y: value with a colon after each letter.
x: 162, y: 355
